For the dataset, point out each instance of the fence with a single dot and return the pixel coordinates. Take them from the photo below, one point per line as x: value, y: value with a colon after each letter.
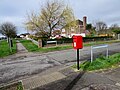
x: 96, y: 47
x: 35, y: 42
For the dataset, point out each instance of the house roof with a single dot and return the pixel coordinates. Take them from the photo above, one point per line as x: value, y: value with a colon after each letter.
x: 25, y: 34
x: 79, y: 22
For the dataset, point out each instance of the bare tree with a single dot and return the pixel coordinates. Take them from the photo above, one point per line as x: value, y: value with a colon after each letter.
x: 53, y: 16
x: 115, y: 28
x: 8, y: 29
x: 101, y: 27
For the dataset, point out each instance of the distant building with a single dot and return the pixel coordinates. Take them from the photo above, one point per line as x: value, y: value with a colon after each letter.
x: 25, y: 36
x: 81, y: 29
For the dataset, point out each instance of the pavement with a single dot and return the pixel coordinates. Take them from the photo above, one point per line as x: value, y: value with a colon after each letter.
x: 51, y: 71
x: 105, y: 80
x: 21, y: 48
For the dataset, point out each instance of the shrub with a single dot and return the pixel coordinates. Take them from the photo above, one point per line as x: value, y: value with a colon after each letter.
x: 85, y: 39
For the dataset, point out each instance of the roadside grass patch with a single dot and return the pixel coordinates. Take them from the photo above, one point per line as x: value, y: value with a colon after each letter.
x: 100, y: 63
x: 4, y: 48
x: 19, y: 86
x: 100, y: 42
x: 31, y: 47
x: 13, y: 86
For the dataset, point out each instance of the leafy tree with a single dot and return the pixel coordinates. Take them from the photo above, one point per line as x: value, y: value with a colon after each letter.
x: 89, y: 26
x: 53, y: 16
x: 117, y: 31
x: 91, y: 29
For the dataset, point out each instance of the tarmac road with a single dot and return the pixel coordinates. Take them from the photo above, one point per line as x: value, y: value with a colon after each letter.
x: 26, y: 64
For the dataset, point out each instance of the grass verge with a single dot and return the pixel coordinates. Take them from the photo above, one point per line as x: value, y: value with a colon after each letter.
x: 101, y: 63
x: 13, y: 86
x: 101, y: 42
x: 5, y: 50
x: 34, y: 48
x: 19, y: 86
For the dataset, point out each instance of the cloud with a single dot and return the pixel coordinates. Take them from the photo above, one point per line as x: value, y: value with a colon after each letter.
x: 15, y: 20
x: 105, y: 10
x: 96, y: 9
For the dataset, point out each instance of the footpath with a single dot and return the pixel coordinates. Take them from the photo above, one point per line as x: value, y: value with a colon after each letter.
x: 68, y: 79
x: 21, y: 48
x: 65, y: 78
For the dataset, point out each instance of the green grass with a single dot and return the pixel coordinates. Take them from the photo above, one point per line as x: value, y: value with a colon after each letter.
x: 101, y: 42
x: 100, y: 63
x: 12, y: 86
x: 29, y: 45
x: 19, y: 87
x: 5, y: 50
x: 34, y: 48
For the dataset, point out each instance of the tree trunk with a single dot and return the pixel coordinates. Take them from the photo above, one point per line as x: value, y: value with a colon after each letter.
x: 9, y: 40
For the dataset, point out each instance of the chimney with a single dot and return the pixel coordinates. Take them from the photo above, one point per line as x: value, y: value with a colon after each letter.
x: 84, y: 23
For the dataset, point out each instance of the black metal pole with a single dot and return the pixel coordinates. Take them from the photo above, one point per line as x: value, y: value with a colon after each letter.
x: 78, y: 59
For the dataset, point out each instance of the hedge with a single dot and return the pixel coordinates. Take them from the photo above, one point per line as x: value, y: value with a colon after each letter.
x: 85, y: 39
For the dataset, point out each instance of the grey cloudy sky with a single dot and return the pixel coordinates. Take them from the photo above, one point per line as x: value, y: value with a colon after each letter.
x: 96, y: 10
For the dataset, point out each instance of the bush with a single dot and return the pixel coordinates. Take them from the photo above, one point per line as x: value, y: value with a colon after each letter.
x: 88, y: 39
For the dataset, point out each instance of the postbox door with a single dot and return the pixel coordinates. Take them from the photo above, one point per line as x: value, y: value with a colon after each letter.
x: 77, y: 42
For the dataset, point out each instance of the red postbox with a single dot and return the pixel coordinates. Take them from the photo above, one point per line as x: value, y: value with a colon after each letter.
x: 77, y: 42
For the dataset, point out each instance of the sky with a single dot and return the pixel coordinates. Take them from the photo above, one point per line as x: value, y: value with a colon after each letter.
x: 15, y: 11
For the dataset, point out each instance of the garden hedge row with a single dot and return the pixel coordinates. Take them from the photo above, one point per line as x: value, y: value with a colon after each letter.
x: 85, y: 39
